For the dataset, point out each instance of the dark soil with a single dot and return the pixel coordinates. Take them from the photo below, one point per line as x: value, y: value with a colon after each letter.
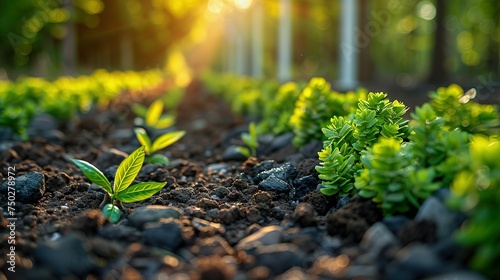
x: 213, y: 220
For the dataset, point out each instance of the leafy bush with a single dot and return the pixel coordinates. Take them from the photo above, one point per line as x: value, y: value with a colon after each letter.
x: 377, y: 116
x: 316, y: 105
x: 251, y: 142
x: 476, y: 191
x: 463, y: 113
x: 277, y: 113
x: 340, y: 157
x: 339, y: 160
x: 391, y: 179
x: 121, y: 190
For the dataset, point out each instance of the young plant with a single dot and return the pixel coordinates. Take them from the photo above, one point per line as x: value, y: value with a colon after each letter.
x: 391, y: 178
x: 476, y: 191
x: 121, y: 190
x: 161, y: 142
x: 152, y: 116
x: 250, y: 139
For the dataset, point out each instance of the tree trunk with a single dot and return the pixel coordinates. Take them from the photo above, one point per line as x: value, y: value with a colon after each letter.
x: 437, y: 72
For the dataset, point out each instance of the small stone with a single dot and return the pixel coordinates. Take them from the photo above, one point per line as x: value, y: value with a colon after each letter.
x: 285, y: 172
x: 274, y: 184
x: 166, y: 234
x: 68, y: 256
x: 264, y: 166
x: 120, y: 232
x: 215, y: 245
x: 289, y: 255
x: 268, y: 235
x: 305, y: 214
x: 29, y: 187
x: 447, y: 221
x: 415, y: 261
x: 232, y: 153
x: 153, y: 213
x: 378, y: 238
x: 220, y: 192
x: 216, y: 168
x: 206, y: 227
x: 304, y: 185
x: 395, y: 223
x: 207, y: 203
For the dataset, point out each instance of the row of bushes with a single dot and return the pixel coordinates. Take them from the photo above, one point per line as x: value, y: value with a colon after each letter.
x: 64, y: 97
x: 371, y: 149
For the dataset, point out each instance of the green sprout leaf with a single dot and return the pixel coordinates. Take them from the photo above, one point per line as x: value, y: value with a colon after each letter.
x: 93, y: 174
x: 158, y: 159
x: 165, y: 121
x: 139, y: 110
x: 166, y: 140
x: 128, y: 169
x: 139, y: 191
x: 112, y: 212
x: 154, y: 113
x: 143, y: 138
x: 244, y: 151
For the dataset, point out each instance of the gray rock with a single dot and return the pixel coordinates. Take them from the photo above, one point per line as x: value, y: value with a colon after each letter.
x: 273, y: 183
x: 109, y: 157
x: 41, y: 122
x: 207, y: 227
x: 281, y: 141
x: 232, y: 153
x: 216, y: 168
x: 120, y: 232
x: 264, y: 166
x: 304, y: 185
x: 29, y: 187
x: 7, y: 135
x: 153, y: 213
x: 166, y: 234
x: 68, y: 256
x: 285, y: 172
x: 278, y: 258
x: 414, y: 262
x: 378, y: 238
x: 447, y: 221
x: 269, y: 235
x: 395, y: 223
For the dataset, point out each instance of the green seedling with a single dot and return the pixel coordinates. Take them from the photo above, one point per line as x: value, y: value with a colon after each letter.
x: 121, y: 190
x: 250, y: 139
x: 161, y: 142
x: 153, y: 115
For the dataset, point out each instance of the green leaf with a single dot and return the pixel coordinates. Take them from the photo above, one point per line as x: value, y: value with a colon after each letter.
x: 329, y: 191
x: 160, y: 159
x: 166, y: 140
x: 165, y: 121
x: 139, y: 191
x: 143, y: 138
x: 139, y: 110
x: 112, y: 212
x: 154, y: 113
x: 94, y: 175
x: 128, y: 169
x: 244, y: 151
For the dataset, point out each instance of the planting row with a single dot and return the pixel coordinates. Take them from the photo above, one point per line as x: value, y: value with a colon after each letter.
x: 370, y: 148
x: 20, y: 101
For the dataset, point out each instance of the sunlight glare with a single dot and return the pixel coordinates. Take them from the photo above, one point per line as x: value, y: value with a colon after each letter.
x: 242, y: 4
x: 215, y: 6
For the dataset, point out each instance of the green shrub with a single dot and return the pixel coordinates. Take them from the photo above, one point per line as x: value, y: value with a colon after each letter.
x: 391, y: 179
x: 340, y: 157
x: 377, y: 116
x: 316, y: 105
x: 277, y: 113
x: 476, y: 191
x: 464, y: 114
